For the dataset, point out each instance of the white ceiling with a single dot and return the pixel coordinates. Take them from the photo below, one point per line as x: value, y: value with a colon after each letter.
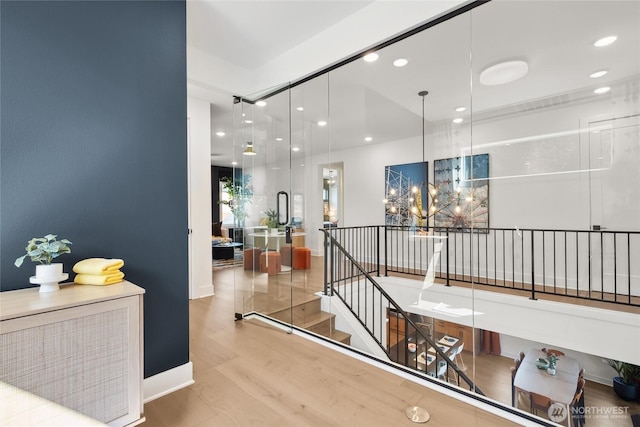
x: 382, y: 100
x: 251, y: 33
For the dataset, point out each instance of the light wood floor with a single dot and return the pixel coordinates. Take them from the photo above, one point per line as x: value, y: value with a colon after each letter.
x: 250, y: 374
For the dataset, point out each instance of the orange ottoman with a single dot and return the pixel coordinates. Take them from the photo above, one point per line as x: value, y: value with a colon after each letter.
x: 285, y: 251
x: 270, y: 262
x: 252, y: 259
x: 301, y: 258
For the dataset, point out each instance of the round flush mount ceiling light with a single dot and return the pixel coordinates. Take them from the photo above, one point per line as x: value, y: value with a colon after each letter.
x: 220, y: 133
x: 261, y: 103
x: 300, y: 108
x: 602, y: 90
x: 504, y: 72
x: 400, y: 62
x: 368, y: 139
x: 278, y: 139
x: 597, y: 74
x: 605, y: 41
x: 371, y: 57
x: 322, y: 123
x: 458, y: 120
x: 460, y: 109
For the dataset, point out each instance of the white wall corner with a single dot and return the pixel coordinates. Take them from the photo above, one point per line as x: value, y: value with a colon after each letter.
x: 167, y: 382
x: 200, y: 275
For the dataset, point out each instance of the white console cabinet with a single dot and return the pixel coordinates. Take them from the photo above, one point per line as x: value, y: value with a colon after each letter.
x: 80, y: 347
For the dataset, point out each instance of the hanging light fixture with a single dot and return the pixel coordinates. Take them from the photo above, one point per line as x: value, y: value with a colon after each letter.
x: 249, y: 150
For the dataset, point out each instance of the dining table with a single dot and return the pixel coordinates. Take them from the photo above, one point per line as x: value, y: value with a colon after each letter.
x: 559, y: 388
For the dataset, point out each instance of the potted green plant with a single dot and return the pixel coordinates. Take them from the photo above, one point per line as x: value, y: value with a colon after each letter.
x: 625, y: 384
x: 240, y: 194
x: 43, y: 250
x: 271, y: 219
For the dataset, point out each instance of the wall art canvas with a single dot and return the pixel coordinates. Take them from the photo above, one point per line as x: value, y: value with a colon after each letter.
x: 406, y: 198
x: 463, y: 192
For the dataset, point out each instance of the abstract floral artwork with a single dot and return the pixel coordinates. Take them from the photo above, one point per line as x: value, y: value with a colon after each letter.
x: 463, y: 192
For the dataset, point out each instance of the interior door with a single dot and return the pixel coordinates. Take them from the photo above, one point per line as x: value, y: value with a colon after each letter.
x: 614, y: 177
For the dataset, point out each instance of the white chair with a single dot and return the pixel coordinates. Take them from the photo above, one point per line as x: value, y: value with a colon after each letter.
x: 442, y: 370
x: 459, y: 361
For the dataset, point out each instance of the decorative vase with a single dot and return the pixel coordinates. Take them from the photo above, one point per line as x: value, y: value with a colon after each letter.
x: 48, y: 276
x: 274, y: 231
x: 551, y: 370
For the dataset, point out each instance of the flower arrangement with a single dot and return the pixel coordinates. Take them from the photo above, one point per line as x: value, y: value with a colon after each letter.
x: 44, y: 249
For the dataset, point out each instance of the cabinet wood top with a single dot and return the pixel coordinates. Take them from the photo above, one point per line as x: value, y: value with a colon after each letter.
x: 29, y: 301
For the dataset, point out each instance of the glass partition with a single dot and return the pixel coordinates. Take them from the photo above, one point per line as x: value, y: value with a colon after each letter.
x: 487, y: 171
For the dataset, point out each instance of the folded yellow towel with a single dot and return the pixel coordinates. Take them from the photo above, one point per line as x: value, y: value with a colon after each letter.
x: 104, y: 279
x: 98, y: 266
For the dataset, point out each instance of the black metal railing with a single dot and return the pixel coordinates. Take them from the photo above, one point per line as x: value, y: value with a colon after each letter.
x: 353, y: 284
x: 597, y: 265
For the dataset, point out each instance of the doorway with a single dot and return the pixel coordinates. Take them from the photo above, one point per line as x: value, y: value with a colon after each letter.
x: 332, y: 195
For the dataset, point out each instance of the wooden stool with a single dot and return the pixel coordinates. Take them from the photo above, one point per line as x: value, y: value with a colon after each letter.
x: 301, y: 258
x: 270, y: 262
x: 252, y: 259
x: 285, y: 251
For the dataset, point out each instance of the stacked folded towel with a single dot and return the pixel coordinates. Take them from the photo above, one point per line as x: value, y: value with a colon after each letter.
x: 98, y: 271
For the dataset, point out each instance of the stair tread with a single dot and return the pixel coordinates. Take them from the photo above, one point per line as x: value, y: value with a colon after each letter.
x: 308, y: 299
x: 340, y: 336
x: 316, y: 318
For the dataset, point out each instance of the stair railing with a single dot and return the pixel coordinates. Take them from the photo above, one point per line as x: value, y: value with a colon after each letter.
x: 371, y: 306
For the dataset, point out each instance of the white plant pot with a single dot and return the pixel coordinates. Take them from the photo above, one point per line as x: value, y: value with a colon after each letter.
x: 274, y: 231
x: 49, y: 276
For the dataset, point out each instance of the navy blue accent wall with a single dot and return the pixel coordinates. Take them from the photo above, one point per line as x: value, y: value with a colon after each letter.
x: 93, y: 148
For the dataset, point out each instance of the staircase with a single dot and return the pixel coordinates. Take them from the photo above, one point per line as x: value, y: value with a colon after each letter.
x: 308, y: 315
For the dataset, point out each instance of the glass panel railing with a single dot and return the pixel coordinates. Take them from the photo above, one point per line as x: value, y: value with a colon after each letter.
x: 487, y: 173
x: 556, y: 114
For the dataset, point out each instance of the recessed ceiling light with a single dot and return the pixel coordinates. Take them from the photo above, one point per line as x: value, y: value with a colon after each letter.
x: 460, y: 109
x: 261, y: 103
x: 371, y: 57
x: 295, y: 149
x: 457, y: 120
x: 278, y: 139
x: 322, y: 123
x: 220, y: 133
x: 234, y: 163
x: 400, y: 62
x: 602, y: 90
x: 300, y: 108
x: 598, y: 74
x: 248, y: 121
x: 605, y: 41
x: 368, y: 138
x: 504, y: 72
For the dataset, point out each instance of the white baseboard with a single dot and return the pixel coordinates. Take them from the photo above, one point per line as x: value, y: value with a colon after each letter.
x: 167, y: 382
x: 203, y: 291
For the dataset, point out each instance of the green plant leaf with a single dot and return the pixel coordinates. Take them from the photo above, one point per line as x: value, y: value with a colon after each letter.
x: 44, y: 249
x: 18, y: 262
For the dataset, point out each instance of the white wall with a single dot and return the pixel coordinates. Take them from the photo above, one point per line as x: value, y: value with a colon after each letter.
x: 200, y: 274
